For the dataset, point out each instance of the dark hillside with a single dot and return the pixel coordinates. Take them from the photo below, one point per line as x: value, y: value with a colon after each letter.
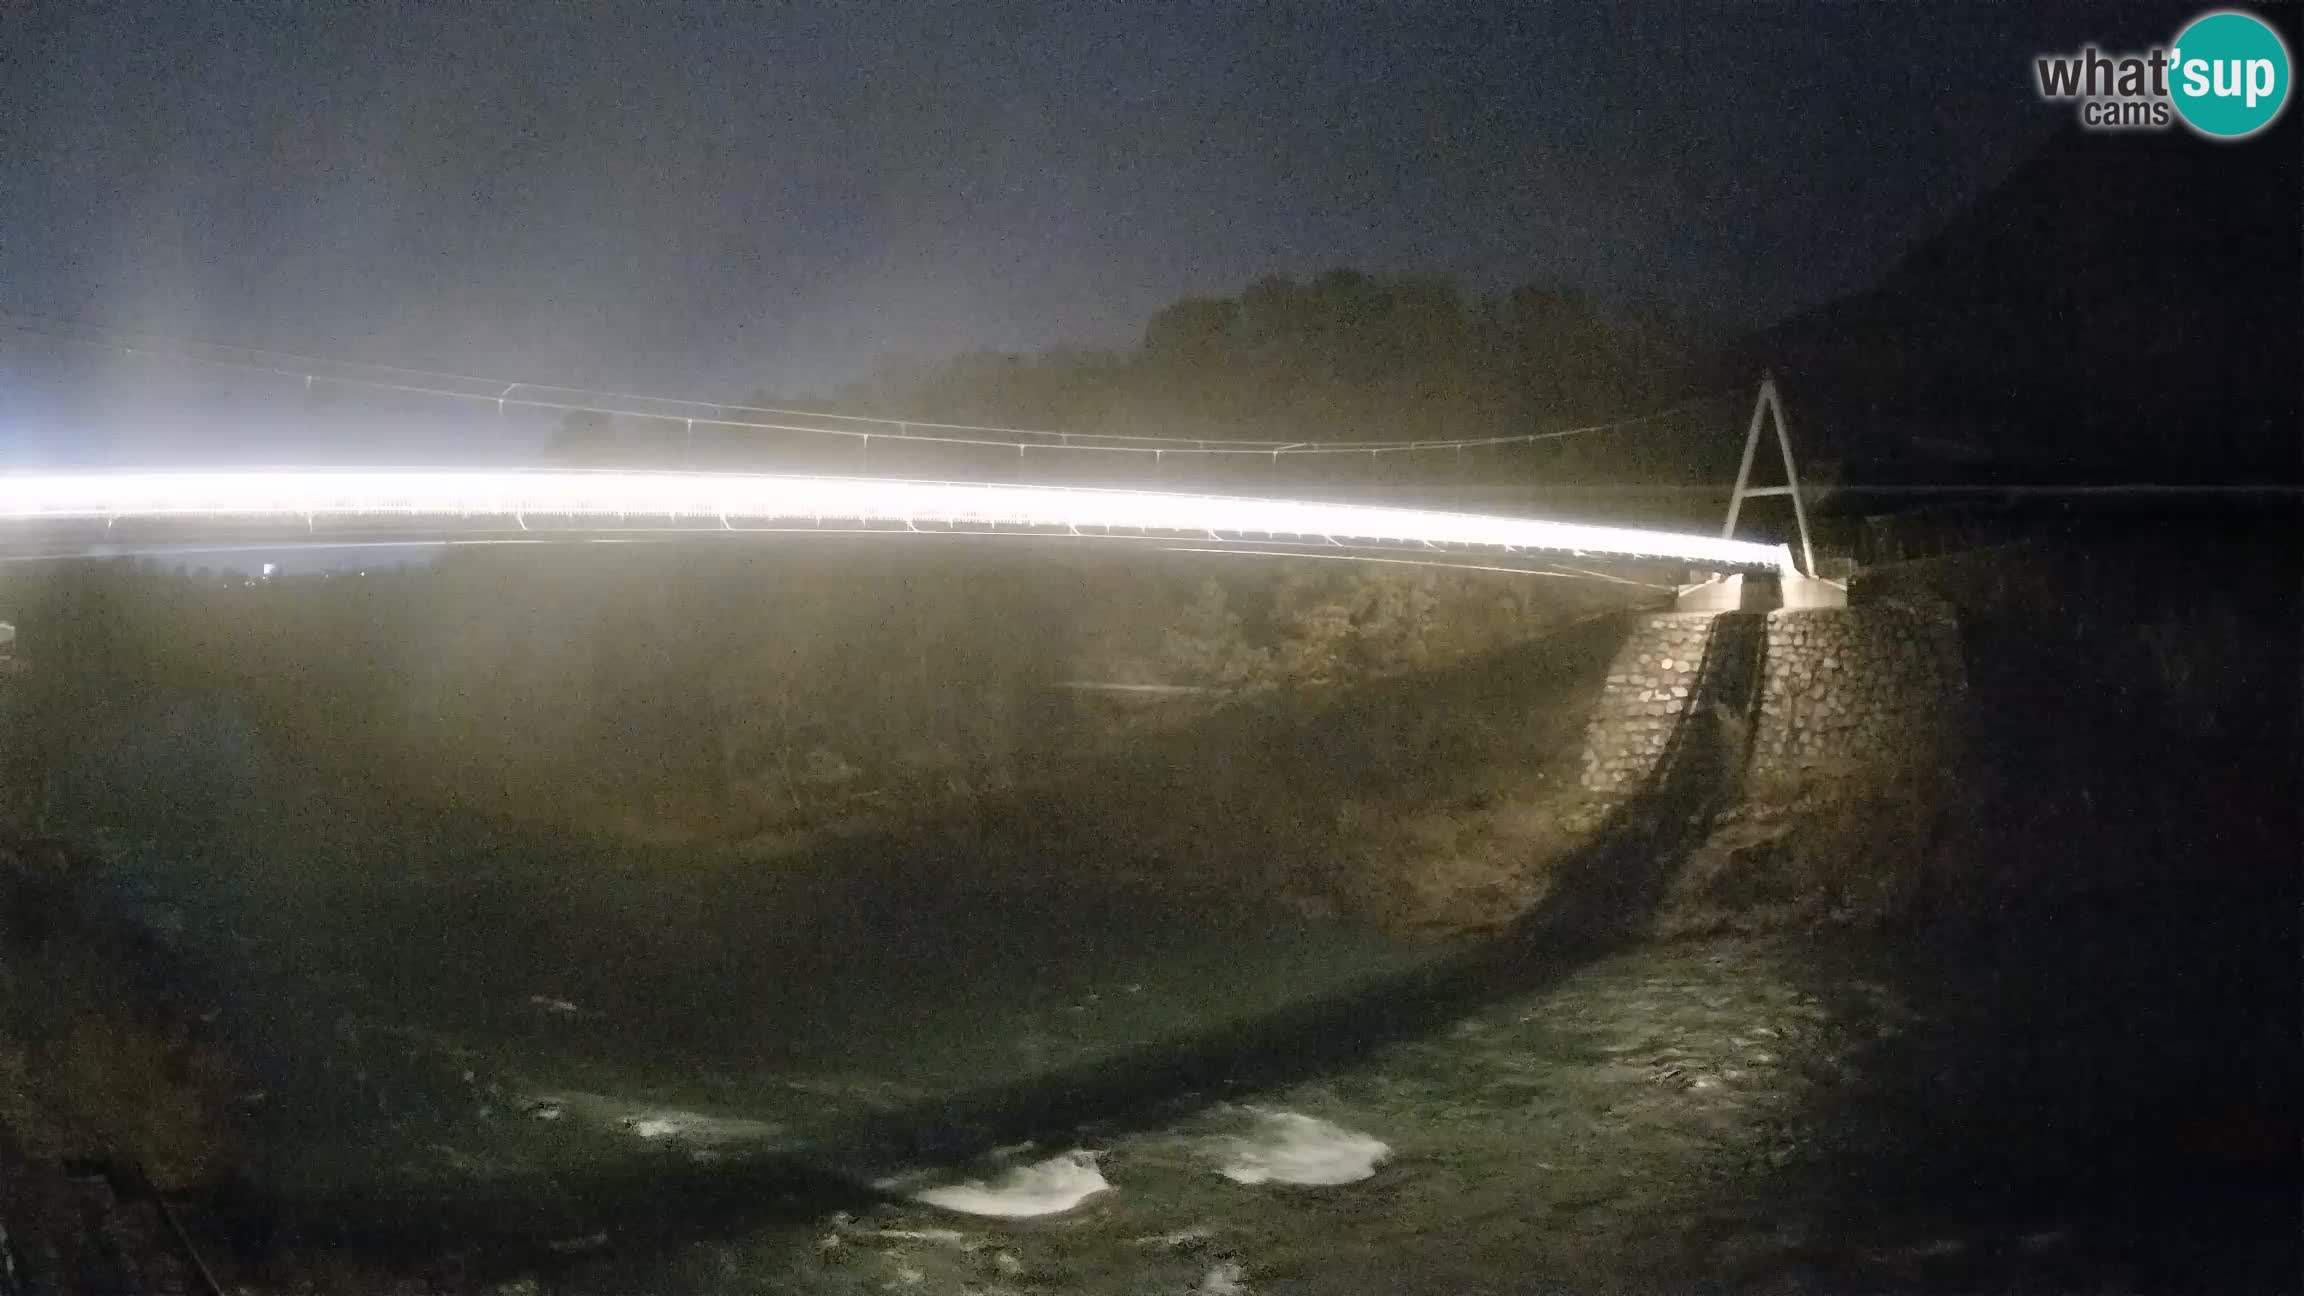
x: 2124, y: 308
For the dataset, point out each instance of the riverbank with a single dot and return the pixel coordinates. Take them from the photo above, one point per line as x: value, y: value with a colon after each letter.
x: 481, y: 1083
x: 487, y: 1054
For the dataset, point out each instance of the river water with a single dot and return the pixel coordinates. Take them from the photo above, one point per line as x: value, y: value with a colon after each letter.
x: 487, y: 1062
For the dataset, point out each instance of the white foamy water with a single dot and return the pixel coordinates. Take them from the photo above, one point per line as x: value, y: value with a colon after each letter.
x: 694, y: 1127
x: 1225, y: 1278
x: 652, y: 1123
x: 1285, y: 1147
x: 1048, y: 1187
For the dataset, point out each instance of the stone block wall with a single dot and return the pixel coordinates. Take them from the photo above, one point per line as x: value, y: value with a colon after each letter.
x: 1650, y: 685
x: 1850, y: 687
x: 1840, y: 689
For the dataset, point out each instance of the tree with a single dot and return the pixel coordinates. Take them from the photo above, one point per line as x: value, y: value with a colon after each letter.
x: 1562, y: 351
x: 1196, y: 333
x: 1342, y: 355
x: 1207, y: 644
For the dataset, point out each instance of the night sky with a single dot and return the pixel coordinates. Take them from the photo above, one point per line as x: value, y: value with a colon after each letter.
x: 707, y: 199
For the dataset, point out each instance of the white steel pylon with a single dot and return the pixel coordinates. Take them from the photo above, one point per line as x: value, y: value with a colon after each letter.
x: 1769, y: 403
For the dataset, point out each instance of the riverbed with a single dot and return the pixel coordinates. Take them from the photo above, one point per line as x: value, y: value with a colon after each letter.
x: 490, y: 1063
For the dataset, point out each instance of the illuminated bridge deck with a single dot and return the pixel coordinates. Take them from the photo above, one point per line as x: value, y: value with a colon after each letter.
x: 111, y: 512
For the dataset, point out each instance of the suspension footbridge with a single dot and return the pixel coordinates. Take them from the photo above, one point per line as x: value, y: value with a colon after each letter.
x: 985, y: 492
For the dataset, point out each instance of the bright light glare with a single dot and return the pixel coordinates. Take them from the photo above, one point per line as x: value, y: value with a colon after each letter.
x: 737, y: 501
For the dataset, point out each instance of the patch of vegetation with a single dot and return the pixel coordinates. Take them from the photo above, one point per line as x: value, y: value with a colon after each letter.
x: 97, y: 1061
x: 718, y: 696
